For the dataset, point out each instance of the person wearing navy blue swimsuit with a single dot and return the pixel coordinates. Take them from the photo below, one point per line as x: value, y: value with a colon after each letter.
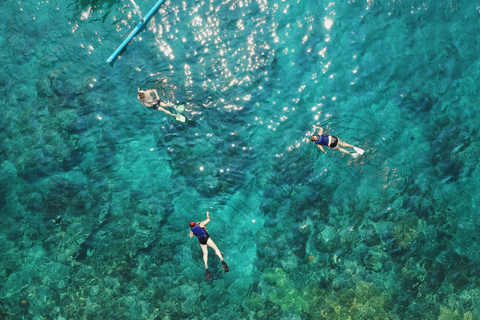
x: 199, y: 230
x: 333, y: 142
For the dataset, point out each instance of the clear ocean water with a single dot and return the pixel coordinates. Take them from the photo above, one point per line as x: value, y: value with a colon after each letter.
x: 96, y: 190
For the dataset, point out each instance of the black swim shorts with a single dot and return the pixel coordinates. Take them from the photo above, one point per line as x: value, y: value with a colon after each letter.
x: 204, y: 239
x: 334, y: 142
x: 157, y: 105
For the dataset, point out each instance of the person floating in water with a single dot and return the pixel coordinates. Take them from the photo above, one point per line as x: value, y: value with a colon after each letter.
x: 199, y: 230
x: 333, y: 142
x: 147, y: 98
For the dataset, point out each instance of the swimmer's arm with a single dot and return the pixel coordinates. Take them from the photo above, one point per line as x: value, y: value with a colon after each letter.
x: 191, y: 234
x: 320, y: 129
x: 203, y: 223
x: 321, y: 148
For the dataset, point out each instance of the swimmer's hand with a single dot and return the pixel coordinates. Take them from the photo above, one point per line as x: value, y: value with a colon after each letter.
x: 208, y: 215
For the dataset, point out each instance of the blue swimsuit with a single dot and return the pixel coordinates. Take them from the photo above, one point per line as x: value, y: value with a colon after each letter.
x: 198, y: 231
x: 201, y: 234
x: 322, y: 140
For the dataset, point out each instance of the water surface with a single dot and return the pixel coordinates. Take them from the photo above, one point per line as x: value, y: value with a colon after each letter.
x: 97, y: 190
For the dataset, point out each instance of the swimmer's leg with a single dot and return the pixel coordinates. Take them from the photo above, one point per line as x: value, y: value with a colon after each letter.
x: 212, y: 245
x: 344, y: 144
x: 219, y: 254
x: 341, y: 150
x: 205, y: 255
x: 165, y: 110
x: 166, y: 105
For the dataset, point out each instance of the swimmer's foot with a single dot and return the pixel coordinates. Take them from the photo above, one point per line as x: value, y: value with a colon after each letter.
x: 208, y: 275
x: 358, y: 150
x: 180, y: 108
x: 180, y: 118
x: 225, y: 266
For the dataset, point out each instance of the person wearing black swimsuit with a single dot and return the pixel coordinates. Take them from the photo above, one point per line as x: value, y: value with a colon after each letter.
x: 198, y: 229
x: 333, y: 142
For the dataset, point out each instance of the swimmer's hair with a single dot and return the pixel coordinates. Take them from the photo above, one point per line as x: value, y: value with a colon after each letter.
x: 192, y: 224
x: 314, y: 138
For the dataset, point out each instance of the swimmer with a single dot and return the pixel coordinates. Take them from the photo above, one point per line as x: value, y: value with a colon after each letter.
x: 199, y: 230
x: 148, y: 100
x: 333, y: 142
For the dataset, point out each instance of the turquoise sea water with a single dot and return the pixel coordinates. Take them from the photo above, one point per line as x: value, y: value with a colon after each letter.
x: 96, y: 191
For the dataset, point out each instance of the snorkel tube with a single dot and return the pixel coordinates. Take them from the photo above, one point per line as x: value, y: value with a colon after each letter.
x: 135, y: 31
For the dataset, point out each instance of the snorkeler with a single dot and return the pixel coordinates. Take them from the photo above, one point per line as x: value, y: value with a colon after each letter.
x: 148, y: 100
x: 333, y: 142
x: 199, y: 230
